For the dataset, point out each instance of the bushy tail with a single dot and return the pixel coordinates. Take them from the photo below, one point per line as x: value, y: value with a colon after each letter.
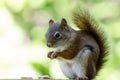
x: 84, y: 21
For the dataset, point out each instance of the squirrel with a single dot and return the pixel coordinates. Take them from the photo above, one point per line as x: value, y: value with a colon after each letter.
x: 80, y: 53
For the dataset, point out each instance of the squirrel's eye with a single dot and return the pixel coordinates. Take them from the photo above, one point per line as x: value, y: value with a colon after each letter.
x: 57, y: 35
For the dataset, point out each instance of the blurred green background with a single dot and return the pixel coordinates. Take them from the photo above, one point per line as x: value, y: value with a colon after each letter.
x: 23, y: 23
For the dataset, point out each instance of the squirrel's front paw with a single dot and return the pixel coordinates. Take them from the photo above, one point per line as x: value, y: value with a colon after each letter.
x: 52, y: 55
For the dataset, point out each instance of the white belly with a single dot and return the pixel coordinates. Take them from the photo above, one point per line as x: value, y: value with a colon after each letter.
x: 75, y: 67
x: 72, y: 69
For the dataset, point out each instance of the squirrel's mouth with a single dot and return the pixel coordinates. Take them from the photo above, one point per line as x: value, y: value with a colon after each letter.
x: 49, y: 44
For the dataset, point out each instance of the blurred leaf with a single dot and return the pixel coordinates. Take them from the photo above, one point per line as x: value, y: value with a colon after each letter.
x: 40, y: 68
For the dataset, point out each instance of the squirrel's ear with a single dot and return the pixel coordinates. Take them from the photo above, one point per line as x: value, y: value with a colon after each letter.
x: 50, y: 22
x: 63, y: 22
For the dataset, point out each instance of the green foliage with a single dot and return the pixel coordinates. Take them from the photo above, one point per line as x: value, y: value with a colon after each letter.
x: 40, y: 68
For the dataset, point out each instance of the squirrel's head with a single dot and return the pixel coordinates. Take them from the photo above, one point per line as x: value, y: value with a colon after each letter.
x: 58, y: 34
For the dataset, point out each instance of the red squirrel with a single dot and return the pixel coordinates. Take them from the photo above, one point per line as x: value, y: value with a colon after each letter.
x: 82, y: 53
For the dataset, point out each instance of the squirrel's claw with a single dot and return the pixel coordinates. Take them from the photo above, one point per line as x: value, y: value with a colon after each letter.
x: 49, y: 54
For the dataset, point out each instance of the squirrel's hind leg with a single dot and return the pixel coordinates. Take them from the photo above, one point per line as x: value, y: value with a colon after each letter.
x: 79, y: 78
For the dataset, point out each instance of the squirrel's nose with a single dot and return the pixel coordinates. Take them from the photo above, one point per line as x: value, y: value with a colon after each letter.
x: 49, y: 44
